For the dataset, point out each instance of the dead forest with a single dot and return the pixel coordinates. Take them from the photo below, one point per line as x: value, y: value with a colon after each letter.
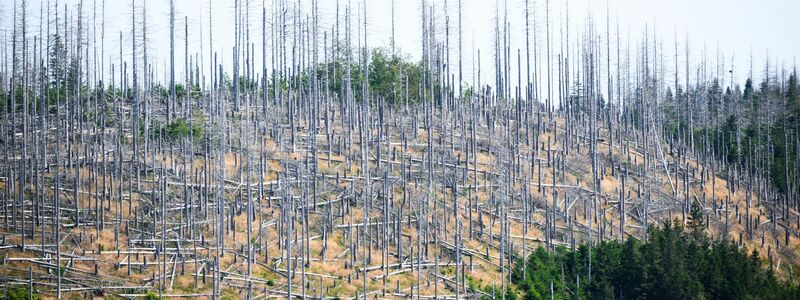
x: 340, y: 169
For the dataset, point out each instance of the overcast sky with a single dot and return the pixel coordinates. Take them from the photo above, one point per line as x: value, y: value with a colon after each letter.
x: 737, y: 28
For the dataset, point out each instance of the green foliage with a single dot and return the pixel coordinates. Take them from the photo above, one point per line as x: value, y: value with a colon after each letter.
x: 391, y: 77
x: 495, y: 292
x: 162, y: 91
x: 472, y: 284
x: 246, y: 85
x: 151, y: 295
x: 696, y: 224
x: 387, y: 75
x: 738, y: 127
x: 56, y: 57
x: 19, y: 292
x: 673, y: 263
x: 180, y: 91
x: 56, y: 94
x: 179, y: 128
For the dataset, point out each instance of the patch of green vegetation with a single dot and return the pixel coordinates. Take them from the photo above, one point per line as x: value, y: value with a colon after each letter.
x: 268, y: 276
x: 578, y: 176
x: 674, y: 262
x: 336, y: 290
x: 390, y: 77
x: 151, y: 295
x: 472, y: 284
x: 20, y: 292
x: 447, y: 270
x: 180, y: 128
x: 180, y: 91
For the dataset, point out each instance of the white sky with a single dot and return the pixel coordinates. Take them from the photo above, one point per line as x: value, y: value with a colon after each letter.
x: 737, y: 27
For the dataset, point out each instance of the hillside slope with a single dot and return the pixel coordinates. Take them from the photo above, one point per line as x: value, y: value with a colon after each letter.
x: 400, y: 200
